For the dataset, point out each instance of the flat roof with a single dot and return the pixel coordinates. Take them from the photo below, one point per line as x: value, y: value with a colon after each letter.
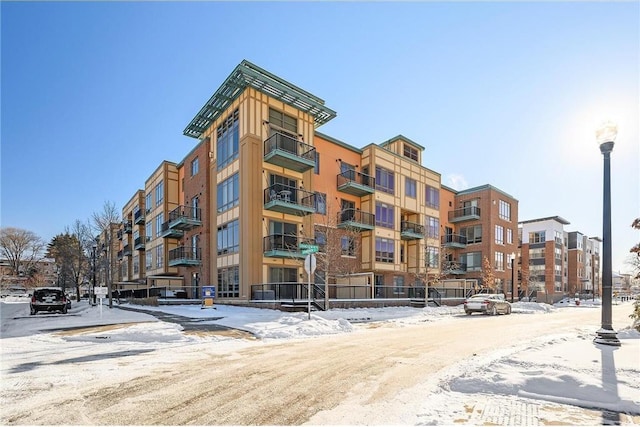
x: 481, y: 188
x: 548, y: 218
x: 247, y: 74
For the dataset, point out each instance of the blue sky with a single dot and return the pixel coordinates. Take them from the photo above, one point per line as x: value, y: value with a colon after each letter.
x: 96, y: 94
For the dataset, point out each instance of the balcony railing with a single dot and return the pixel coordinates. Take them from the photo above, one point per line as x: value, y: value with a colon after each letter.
x: 126, y: 250
x: 464, y: 214
x: 411, y: 231
x: 290, y: 200
x: 356, y: 183
x: 183, y: 256
x: 127, y: 226
x: 185, y: 218
x: 282, y: 246
x: 286, y: 151
x: 139, y: 243
x: 453, y: 267
x: 138, y: 217
x: 170, y: 233
x: 356, y: 219
x: 454, y: 241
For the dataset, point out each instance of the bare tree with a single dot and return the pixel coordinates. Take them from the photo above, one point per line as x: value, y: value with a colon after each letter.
x: 488, y: 274
x: 21, y: 248
x: 102, y: 223
x: 634, y: 260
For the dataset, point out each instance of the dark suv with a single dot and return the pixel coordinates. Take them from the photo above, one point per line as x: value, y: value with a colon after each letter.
x: 48, y: 299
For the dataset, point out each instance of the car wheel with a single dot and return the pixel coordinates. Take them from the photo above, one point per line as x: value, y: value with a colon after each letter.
x: 64, y: 310
x: 494, y: 310
x: 509, y: 310
x: 468, y: 313
x: 33, y: 311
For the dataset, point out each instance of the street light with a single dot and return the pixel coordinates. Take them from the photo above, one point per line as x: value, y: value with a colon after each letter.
x: 605, y: 136
x: 513, y: 281
x: 93, y: 271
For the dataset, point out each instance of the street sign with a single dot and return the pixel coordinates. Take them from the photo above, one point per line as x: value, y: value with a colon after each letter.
x: 308, y: 249
x: 101, y: 291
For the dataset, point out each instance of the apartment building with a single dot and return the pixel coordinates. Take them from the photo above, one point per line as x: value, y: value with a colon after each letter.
x: 479, y: 236
x: 557, y: 263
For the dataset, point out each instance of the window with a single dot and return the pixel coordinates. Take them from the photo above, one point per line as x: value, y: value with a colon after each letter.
x: 229, y: 282
x: 499, y: 261
x: 321, y: 203
x: 148, y: 230
x: 228, y: 138
x: 159, y: 221
x: 499, y: 235
x: 348, y: 246
x: 509, y: 236
x: 316, y: 166
x: 283, y: 121
x: 228, y: 238
x: 148, y: 203
x: 432, y: 197
x: 433, y: 227
x: 384, y: 250
x: 195, y: 166
x: 228, y: 193
x: 473, y: 260
x: 410, y: 152
x: 472, y: 233
x: 385, y: 180
x: 432, y: 257
x: 505, y: 210
x: 160, y: 256
x: 148, y: 260
x: 398, y: 284
x: 537, y: 237
x: 136, y: 264
x: 321, y: 240
x: 410, y: 187
x: 384, y: 215
x: 159, y: 192
x: 536, y: 253
x: 195, y: 207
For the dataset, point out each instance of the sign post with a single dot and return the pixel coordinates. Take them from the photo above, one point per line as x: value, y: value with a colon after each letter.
x: 101, y: 292
x: 310, y: 268
x: 208, y: 294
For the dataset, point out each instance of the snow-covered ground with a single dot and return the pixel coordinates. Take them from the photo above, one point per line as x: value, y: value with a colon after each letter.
x: 559, y: 368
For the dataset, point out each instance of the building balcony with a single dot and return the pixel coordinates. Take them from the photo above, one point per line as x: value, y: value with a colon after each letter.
x: 139, y: 242
x: 185, y: 218
x: 467, y: 213
x: 138, y: 217
x: 454, y: 241
x: 453, y: 267
x: 282, y: 246
x: 357, y: 220
x: 119, y: 234
x: 183, y: 256
x: 289, y: 200
x: 127, y: 227
x: 411, y: 231
x: 356, y: 183
x: 126, y: 250
x: 167, y: 232
x: 287, y: 152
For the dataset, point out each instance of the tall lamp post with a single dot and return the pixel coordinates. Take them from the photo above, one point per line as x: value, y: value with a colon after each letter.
x: 513, y: 280
x: 606, y: 136
x: 93, y: 272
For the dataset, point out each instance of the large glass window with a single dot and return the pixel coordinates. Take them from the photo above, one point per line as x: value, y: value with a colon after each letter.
x: 384, y: 215
x: 229, y: 282
x: 537, y: 237
x: 509, y: 236
x: 432, y: 197
x: 195, y: 166
x: 283, y: 121
x: 148, y: 260
x: 433, y: 227
x: 136, y: 264
x: 159, y: 192
x: 321, y: 203
x: 159, y: 221
x: 398, y: 284
x: 228, y: 193
x: 385, y: 180
x: 499, y: 261
x: 473, y: 260
x: 472, y: 233
x: 385, y: 249
x: 148, y: 203
x: 504, y: 210
x: 160, y: 256
x: 348, y: 246
x: 432, y: 257
x: 410, y: 187
x: 410, y: 152
x: 228, y: 138
x: 228, y: 238
x: 499, y: 235
x: 148, y: 230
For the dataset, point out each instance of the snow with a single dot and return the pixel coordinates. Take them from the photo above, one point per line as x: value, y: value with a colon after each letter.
x: 558, y: 368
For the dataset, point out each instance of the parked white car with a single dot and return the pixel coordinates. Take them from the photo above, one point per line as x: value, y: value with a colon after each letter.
x: 487, y: 304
